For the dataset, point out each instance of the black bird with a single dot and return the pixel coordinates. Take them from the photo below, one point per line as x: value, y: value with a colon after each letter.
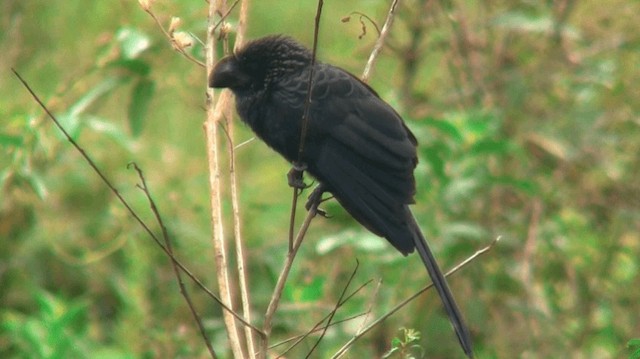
x: 356, y: 145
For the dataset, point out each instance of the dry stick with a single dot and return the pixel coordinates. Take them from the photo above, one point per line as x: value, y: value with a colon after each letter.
x: 224, y: 283
x: 307, y: 101
x: 372, y: 301
x: 225, y: 15
x: 176, y: 270
x: 215, y: 114
x: 335, y: 309
x: 128, y: 207
x: 305, y: 121
x: 377, y: 48
x: 299, y: 338
x: 252, y: 347
x: 282, y: 278
x: 382, y: 318
x: 172, y: 39
x: 294, y: 245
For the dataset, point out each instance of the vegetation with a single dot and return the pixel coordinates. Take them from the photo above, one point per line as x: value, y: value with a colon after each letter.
x: 529, y: 123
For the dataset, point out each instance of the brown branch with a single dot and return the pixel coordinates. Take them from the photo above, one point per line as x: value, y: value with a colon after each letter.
x: 252, y: 346
x: 402, y: 304
x: 176, y: 270
x: 377, y: 48
x: 294, y: 245
x: 299, y: 338
x: 284, y: 273
x: 175, y: 44
x: 335, y: 309
x: 307, y: 101
x: 216, y: 112
x: 316, y: 328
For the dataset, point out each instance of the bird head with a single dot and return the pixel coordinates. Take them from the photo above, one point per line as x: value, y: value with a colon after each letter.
x: 259, y: 63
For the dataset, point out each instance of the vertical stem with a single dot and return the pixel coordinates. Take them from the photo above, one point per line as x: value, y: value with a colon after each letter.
x: 235, y: 203
x: 215, y: 113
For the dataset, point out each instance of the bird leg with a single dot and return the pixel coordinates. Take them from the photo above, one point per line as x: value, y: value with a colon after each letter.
x: 315, y: 198
x: 295, y: 176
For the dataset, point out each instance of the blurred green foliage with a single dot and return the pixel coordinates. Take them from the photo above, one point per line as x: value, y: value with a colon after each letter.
x: 528, y: 119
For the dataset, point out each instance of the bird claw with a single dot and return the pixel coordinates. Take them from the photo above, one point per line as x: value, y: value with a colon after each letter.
x: 314, y: 199
x: 295, y: 176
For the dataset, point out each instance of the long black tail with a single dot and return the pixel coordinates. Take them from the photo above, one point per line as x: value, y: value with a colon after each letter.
x: 443, y: 290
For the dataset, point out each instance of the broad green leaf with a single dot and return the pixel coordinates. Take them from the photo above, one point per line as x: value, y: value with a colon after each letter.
x: 116, y: 133
x: 10, y: 140
x: 139, y: 105
x: 490, y: 147
x: 132, y: 42
x: 72, y: 119
x: 445, y: 128
x: 136, y: 66
x: 433, y: 156
x: 528, y: 187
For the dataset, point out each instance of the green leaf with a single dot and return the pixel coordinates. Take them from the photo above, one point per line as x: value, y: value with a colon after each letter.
x: 136, y: 66
x: 138, y: 107
x: 434, y: 157
x: 37, y: 184
x: 528, y: 187
x: 132, y: 42
x: 109, y: 129
x: 490, y: 147
x: 71, y: 119
x: 10, y: 141
x: 446, y: 128
x: 634, y: 344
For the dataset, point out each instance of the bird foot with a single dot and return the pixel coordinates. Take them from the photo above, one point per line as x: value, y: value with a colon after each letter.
x: 314, y: 200
x: 295, y: 176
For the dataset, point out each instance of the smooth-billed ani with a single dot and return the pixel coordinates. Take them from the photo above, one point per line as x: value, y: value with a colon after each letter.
x: 356, y: 145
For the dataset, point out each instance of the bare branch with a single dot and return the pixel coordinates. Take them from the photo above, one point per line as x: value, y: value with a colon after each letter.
x: 335, y: 309
x: 252, y: 346
x: 294, y: 245
x: 216, y: 112
x: 284, y: 273
x: 307, y: 101
x: 368, y: 328
x: 317, y: 327
x: 377, y: 48
x: 175, y: 43
x: 174, y: 264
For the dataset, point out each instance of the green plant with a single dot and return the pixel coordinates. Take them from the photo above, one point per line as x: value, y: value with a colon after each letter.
x: 405, y: 346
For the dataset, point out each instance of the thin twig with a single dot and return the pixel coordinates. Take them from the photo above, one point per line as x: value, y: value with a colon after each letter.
x: 335, y: 309
x: 165, y: 235
x: 377, y: 48
x: 382, y: 318
x: 225, y: 15
x: 317, y: 328
x: 294, y: 245
x: 174, y: 44
x: 284, y: 273
x: 372, y: 300
x: 126, y: 204
x: 364, y: 28
x: 307, y: 101
x: 299, y: 338
x: 305, y: 120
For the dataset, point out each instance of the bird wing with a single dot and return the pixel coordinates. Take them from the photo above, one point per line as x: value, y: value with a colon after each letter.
x: 367, y: 155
